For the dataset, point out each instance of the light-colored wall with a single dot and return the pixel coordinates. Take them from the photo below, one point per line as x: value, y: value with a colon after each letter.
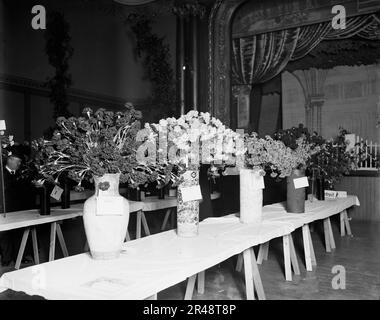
x: 103, y: 62
x: 352, y: 101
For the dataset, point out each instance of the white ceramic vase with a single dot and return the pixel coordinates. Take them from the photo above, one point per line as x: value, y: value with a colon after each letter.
x: 106, y: 217
x: 251, y: 196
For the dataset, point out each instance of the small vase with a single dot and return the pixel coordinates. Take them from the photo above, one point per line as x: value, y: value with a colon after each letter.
x: 251, y: 196
x: 44, y: 200
x: 295, y: 198
x: 65, y: 199
x: 161, y: 193
x: 320, y: 185
x: 106, y: 225
x: 188, y: 212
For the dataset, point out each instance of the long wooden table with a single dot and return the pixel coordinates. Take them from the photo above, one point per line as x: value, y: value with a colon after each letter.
x: 149, y: 265
x: 30, y: 219
x: 154, y: 263
x: 314, y: 211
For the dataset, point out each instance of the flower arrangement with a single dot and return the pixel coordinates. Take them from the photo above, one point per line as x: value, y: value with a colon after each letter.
x: 333, y: 161
x: 193, y: 139
x: 268, y: 154
x: 95, y: 144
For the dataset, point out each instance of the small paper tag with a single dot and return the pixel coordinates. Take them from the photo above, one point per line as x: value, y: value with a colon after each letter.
x: 330, y: 194
x: 301, y: 183
x: 350, y: 140
x: 231, y: 171
x: 109, y: 206
x: 342, y: 194
x: 192, y: 193
x: 258, y: 182
x: 2, y: 125
x: 56, y: 193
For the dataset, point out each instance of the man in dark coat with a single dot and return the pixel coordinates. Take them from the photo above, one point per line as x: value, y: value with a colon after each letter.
x: 14, y: 190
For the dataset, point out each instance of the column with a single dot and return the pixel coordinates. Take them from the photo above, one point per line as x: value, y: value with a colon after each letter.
x: 188, y: 17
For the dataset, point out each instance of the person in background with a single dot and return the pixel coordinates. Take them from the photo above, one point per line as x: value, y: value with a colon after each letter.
x: 15, y: 192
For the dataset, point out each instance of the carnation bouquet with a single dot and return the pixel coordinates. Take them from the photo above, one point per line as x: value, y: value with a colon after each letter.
x: 193, y: 139
x: 95, y: 144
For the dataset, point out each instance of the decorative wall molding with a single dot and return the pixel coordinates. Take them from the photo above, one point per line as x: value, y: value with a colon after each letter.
x: 39, y: 88
x: 220, y: 61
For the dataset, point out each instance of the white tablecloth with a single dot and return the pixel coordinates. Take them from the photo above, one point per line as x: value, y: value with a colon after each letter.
x: 153, y: 203
x: 152, y: 264
x: 27, y: 218
x: 315, y: 210
x: 147, y: 266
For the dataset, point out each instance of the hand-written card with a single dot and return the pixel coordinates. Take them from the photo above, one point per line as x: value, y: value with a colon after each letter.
x: 258, y: 182
x: 109, y: 206
x: 56, y: 193
x: 2, y: 125
x: 301, y: 183
x: 331, y: 194
x: 231, y: 171
x: 192, y: 193
x: 342, y: 194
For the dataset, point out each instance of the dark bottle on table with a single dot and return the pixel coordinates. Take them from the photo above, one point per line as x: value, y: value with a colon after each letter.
x: 134, y: 194
x: 44, y: 200
x: 65, y: 198
x: 161, y: 193
x: 321, y: 189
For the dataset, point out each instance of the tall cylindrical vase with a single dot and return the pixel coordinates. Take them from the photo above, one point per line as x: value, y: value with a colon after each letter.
x: 106, y: 217
x: 187, y: 212
x: 295, y: 197
x: 251, y: 196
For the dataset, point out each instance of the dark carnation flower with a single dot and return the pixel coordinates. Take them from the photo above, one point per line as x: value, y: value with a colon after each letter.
x: 104, y: 186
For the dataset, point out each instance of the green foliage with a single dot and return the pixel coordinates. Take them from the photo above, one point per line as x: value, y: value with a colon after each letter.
x: 59, y: 51
x: 95, y: 144
x: 156, y: 56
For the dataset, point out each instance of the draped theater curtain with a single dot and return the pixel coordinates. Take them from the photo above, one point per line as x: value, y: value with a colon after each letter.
x: 259, y: 58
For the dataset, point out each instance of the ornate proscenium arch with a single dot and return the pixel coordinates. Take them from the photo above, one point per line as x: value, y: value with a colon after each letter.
x: 220, y: 58
x: 268, y: 17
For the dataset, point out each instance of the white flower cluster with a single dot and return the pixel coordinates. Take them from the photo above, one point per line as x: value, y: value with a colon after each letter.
x: 196, y: 138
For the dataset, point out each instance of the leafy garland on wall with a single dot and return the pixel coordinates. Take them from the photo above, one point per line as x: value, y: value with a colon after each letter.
x: 59, y: 52
x: 158, y: 70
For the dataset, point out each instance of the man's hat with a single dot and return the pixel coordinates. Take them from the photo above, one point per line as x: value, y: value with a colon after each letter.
x: 15, y: 151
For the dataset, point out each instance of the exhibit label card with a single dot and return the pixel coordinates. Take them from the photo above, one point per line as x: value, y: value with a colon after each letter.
x: 341, y: 194
x: 2, y: 125
x: 56, y: 193
x: 109, y: 206
x: 301, y: 183
x: 330, y: 194
x: 192, y: 193
x: 258, y: 182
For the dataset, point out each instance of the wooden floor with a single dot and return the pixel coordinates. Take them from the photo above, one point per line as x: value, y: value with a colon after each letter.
x: 360, y: 256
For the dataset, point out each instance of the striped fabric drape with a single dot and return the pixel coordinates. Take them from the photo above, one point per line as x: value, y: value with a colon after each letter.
x: 259, y: 58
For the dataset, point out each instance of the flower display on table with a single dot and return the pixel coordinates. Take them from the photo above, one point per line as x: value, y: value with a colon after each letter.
x: 303, y: 147
x: 97, y: 143
x: 194, y: 139
x: 188, y: 142
x: 334, y: 160
x: 268, y: 154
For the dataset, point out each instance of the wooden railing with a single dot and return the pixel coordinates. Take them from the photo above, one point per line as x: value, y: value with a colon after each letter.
x: 368, y: 151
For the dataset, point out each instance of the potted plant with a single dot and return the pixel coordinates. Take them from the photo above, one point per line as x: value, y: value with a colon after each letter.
x: 294, y: 164
x: 333, y: 161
